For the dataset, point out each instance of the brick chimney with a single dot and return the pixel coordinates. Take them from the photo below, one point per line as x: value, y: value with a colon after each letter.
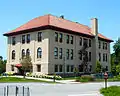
x: 94, y: 27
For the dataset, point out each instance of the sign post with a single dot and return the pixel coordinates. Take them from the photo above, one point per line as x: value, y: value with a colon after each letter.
x: 105, y: 77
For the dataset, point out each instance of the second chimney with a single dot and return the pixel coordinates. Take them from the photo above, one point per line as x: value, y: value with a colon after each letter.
x: 94, y: 28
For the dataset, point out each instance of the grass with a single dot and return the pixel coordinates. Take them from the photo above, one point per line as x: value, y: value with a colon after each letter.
x: 70, y: 78
x: 19, y: 80
x: 111, y: 91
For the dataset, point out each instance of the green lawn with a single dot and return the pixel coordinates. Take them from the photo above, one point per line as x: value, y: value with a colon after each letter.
x: 18, y: 80
x: 111, y: 91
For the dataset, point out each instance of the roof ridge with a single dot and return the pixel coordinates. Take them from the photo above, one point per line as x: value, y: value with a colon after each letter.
x: 71, y: 21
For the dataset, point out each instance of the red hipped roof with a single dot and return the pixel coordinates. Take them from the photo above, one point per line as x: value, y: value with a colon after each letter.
x: 50, y: 20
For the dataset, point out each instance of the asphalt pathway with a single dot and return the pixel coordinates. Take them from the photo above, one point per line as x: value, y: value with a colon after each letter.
x: 79, y: 89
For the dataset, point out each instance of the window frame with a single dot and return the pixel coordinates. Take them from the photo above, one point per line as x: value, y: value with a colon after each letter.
x: 99, y: 56
x: 80, y: 41
x: 68, y: 68
x: 23, y: 53
x: 39, y: 52
x: 72, y: 52
x: 56, y: 68
x: 71, y: 39
x: 28, y: 52
x: 67, y: 54
x: 56, y: 36
x: 60, y: 53
x: 39, y: 36
x: 38, y: 67
x: 90, y: 42
x: 90, y: 56
x: 23, y: 39
x: 28, y: 38
x: 60, y: 68
x: 13, y: 54
x: 56, y: 52
x: 13, y: 40
x: 60, y: 37
x: 67, y: 39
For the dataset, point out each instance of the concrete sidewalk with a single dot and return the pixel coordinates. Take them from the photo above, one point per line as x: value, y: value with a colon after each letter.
x: 59, y: 81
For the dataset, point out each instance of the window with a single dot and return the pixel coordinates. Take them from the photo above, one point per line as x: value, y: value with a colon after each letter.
x: 60, y: 37
x: 89, y: 56
x: 106, y: 46
x: 39, y: 36
x: 80, y: 68
x: 38, y: 68
x: 80, y: 53
x: 67, y: 39
x: 80, y: 41
x: 90, y: 69
x: 85, y: 42
x: 99, y: 56
x: 103, y: 46
x: 39, y: 53
x: 56, y: 68
x: 85, y: 58
x: 23, y: 53
x: 99, y: 44
x: 71, y: 39
x: 27, y: 52
x: 71, y: 54
x: 103, y: 57
x: 68, y: 68
x: 60, y: 53
x: 13, y: 54
x: 12, y: 67
x: 72, y: 68
x: 56, y: 37
x: 28, y: 38
x: 106, y: 57
x: 60, y: 68
x: 89, y: 42
x: 56, y: 53
x: 106, y: 68
x: 23, y: 39
x: 67, y: 53
x: 13, y: 40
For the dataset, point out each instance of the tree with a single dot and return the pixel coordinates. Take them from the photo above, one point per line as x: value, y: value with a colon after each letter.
x: 2, y: 65
x: 116, y: 49
x: 118, y: 68
x: 98, y: 67
x: 26, y: 64
x: 1, y: 58
x: 76, y: 71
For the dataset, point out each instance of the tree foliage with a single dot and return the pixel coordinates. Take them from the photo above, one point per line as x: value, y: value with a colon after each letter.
x: 26, y: 63
x: 116, y: 49
x: 115, y: 58
x: 2, y: 65
x: 98, y: 67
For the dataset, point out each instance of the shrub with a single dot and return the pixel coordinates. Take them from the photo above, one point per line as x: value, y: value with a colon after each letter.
x: 8, y: 73
x: 39, y: 75
x: 85, y: 78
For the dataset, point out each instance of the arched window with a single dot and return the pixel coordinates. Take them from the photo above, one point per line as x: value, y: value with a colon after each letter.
x: 39, y: 52
x: 13, y: 54
x: 27, y: 52
x: 23, y: 53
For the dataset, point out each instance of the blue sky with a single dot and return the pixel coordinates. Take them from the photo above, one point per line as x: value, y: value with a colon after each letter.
x: 14, y: 13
